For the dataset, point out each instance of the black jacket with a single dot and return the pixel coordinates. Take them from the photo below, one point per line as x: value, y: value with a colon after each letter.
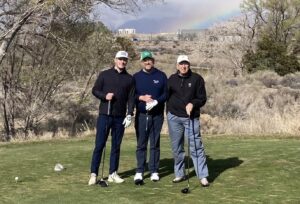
x: 121, y: 84
x: 183, y: 90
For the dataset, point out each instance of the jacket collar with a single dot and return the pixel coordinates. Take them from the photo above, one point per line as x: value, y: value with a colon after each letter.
x: 122, y: 72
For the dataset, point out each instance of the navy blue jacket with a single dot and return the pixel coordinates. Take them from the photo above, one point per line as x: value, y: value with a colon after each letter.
x: 121, y: 84
x: 154, y: 84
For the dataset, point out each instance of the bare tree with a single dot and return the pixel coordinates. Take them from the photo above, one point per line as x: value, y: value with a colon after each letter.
x: 231, y: 40
x: 43, y: 8
x: 276, y: 23
x: 35, y: 61
x: 280, y: 19
x: 12, y: 32
x: 89, y: 57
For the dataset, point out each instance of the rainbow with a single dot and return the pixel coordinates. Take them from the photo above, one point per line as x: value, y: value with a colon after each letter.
x: 174, y: 15
x: 198, y: 19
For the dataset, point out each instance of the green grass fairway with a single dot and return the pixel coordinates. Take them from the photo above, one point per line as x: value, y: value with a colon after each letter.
x: 242, y: 170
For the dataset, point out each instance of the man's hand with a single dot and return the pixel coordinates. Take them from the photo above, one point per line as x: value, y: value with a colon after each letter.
x: 189, y: 108
x: 127, y: 121
x: 151, y: 105
x: 109, y: 96
x: 146, y: 98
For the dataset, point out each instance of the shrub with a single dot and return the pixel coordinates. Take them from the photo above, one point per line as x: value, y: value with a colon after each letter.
x: 268, y: 78
x: 291, y: 80
x: 271, y: 55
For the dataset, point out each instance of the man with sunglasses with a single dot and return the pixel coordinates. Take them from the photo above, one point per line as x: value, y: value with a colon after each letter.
x: 186, y: 95
x: 114, y: 88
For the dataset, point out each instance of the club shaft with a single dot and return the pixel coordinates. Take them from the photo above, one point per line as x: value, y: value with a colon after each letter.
x: 188, y: 161
x: 106, y: 132
x: 147, y: 120
x: 103, y: 159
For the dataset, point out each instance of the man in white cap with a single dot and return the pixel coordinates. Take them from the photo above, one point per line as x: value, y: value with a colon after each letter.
x: 114, y: 89
x: 186, y: 95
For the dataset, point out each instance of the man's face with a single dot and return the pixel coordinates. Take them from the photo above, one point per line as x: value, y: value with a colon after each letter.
x: 147, y: 63
x: 183, y: 67
x: 121, y: 62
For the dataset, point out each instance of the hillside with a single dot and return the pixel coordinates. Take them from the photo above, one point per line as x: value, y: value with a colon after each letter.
x: 262, y: 103
x: 238, y: 103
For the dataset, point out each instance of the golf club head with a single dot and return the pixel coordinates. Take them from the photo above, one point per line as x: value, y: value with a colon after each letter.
x: 185, y: 191
x: 103, y: 183
x: 139, y: 182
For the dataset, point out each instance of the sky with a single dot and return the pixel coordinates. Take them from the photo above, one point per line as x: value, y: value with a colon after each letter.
x: 171, y: 15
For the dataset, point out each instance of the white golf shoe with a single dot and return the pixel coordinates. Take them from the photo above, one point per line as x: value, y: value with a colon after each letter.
x: 93, y: 179
x: 178, y: 179
x: 138, y: 176
x: 204, y: 182
x: 154, y: 177
x: 138, y: 179
x: 114, y: 177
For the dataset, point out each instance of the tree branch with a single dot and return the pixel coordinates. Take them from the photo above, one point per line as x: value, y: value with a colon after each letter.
x: 10, y: 35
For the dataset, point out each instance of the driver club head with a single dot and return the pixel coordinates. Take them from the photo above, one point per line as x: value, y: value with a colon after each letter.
x: 139, y: 182
x: 103, y: 183
x: 185, y: 191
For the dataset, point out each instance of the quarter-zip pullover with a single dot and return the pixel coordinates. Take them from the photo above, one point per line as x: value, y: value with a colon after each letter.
x: 153, y: 83
x: 121, y: 84
x: 183, y: 90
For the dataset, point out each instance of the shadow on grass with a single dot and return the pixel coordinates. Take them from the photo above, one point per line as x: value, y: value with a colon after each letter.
x: 166, y: 168
x: 218, y: 166
x: 215, y: 167
x: 127, y: 174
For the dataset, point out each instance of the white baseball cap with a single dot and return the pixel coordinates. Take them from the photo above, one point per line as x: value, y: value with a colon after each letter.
x: 183, y: 58
x: 122, y: 54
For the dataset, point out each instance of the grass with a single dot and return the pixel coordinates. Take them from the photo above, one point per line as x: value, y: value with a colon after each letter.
x: 242, y: 170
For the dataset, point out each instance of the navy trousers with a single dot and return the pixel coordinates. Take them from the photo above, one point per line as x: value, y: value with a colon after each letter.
x: 105, y: 124
x: 148, y: 127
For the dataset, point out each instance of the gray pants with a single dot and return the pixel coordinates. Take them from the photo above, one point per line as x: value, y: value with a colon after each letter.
x: 178, y: 128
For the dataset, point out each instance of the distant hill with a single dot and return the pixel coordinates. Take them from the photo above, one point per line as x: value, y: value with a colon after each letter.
x: 163, y: 25
x: 147, y: 25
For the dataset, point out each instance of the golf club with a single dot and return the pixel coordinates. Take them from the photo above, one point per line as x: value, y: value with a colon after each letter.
x: 187, y: 189
x: 139, y: 182
x: 147, y: 119
x: 102, y: 182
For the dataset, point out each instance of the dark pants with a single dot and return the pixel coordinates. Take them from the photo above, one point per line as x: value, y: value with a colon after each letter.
x: 105, y: 124
x: 148, y: 129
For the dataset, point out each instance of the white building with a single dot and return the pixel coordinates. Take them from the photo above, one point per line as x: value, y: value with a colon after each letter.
x: 126, y: 31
